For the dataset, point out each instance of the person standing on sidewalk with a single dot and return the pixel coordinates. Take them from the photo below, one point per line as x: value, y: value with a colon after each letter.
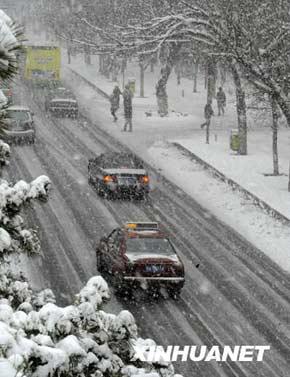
x: 221, y: 101
x: 127, y: 100
x: 208, y: 113
x: 115, y: 101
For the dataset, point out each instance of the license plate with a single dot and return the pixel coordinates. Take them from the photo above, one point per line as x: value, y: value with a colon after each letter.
x: 154, y: 269
x: 127, y: 181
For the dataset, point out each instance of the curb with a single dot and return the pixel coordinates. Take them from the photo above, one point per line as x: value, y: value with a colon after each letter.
x: 235, y: 186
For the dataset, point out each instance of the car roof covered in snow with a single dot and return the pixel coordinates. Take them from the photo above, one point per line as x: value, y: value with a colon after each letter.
x: 62, y: 93
x: 18, y: 108
x: 117, y: 160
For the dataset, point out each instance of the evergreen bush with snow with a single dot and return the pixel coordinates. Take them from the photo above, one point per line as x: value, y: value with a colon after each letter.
x: 40, y: 339
x: 37, y: 337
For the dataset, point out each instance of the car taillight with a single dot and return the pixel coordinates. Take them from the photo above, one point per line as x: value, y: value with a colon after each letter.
x: 179, y: 269
x: 144, y: 179
x: 109, y: 178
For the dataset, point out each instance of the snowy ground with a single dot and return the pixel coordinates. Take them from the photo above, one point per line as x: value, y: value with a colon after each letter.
x: 236, y: 296
x: 219, y: 298
x: 150, y: 140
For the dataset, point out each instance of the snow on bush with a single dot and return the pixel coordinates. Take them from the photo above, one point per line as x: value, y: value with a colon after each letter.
x: 9, y: 42
x: 4, y: 153
x: 53, y: 341
x: 13, y: 235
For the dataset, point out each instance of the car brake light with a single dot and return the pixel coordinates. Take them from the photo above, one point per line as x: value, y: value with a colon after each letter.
x: 179, y: 269
x: 109, y: 178
x: 144, y: 179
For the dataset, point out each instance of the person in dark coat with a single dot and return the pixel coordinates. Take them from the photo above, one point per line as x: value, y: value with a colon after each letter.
x: 208, y: 113
x: 115, y: 101
x: 221, y: 101
x: 127, y: 100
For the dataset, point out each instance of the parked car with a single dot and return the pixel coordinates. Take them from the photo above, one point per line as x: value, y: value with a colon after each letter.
x: 20, y: 125
x: 61, y: 102
x: 119, y: 174
x: 141, y: 254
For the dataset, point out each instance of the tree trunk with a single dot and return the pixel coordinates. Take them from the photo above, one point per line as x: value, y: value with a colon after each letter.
x: 161, y: 94
x: 241, y: 111
x: 275, y: 116
x: 101, y: 64
x: 211, y: 80
x: 123, y: 69
x: 284, y: 104
x: 142, y: 71
x: 289, y: 179
x: 68, y: 56
x: 106, y: 66
x: 178, y: 76
x: 205, y: 77
x: 123, y: 79
x: 87, y: 55
x: 223, y: 74
x: 195, y: 74
x: 207, y: 132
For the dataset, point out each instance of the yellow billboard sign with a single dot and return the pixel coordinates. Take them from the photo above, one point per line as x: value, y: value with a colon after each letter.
x: 42, y: 63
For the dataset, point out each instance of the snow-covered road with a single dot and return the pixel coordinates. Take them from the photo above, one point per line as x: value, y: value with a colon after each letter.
x: 236, y: 296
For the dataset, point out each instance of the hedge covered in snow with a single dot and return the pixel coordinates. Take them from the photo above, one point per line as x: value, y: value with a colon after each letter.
x: 40, y: 339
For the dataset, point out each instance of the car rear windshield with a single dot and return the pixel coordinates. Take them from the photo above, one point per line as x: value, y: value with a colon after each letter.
x: 63, y: 93
x: 19, y: 126
x: 18, y: 115
x: 119, y: 161
x: 161, y: 246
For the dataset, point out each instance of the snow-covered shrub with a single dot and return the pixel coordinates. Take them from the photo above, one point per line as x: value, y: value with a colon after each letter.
x: 13, y: 235
x: 4, y: 153
x: 53, y: 341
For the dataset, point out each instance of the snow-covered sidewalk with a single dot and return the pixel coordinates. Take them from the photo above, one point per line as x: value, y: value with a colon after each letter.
x: 152, y: 140
x: 252, y: 172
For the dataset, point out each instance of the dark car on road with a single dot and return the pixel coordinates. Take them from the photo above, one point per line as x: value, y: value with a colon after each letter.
x: 140, y: 254
x: 119, y: 175
x: 61, y: 102
x: 20, y: 125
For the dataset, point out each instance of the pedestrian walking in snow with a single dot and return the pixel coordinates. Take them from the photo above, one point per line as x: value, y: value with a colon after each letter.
x: 208, y: 113
x: 115, y: 101
x: 221, y: 101
x: 127, y: 100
